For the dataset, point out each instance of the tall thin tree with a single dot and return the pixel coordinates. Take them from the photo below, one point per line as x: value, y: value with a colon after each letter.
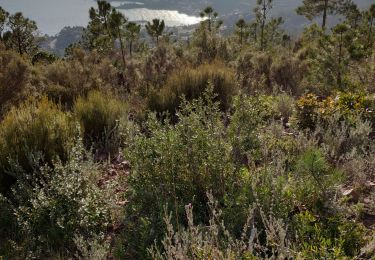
x: 21, y: 34
x: 261, y: 11
x: 155, y: 29
x: 132, y: 34
x: 314, y: 8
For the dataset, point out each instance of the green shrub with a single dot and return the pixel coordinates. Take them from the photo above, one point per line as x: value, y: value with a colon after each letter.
x: 101, y: 117
x: 249, y: 114
x: 191, y: 83
x: 35, y: 133
x: 333, y: 237
x: 175, y: 165
x: 314, y: 180
x: 311, y: 109
x: 62, y: 207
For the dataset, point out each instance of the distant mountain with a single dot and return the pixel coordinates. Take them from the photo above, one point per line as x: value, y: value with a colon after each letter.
x: 225, y: 7
x: 229, y: 10
x: 57, y: 44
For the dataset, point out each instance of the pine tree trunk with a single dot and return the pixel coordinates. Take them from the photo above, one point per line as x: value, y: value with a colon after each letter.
x: 370, y: 32
x: 325, y: 10
x: 339, y: 80
x: 122, y: 48
x: 131, y: 48
x: 263, y: 25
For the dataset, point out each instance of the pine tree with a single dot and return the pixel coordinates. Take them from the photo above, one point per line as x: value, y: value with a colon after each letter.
x: 210, y: 15
x: 339, y: 31
x: 132, y: 34
x: 155, y: 29
x: 241, y: 30
x: 265, y: 28
x: 314, y: 8
x: 98, y: 34
x: 261, y: 12
x: 117, y: 24
x: 21, y: 34
x: 352, y: 14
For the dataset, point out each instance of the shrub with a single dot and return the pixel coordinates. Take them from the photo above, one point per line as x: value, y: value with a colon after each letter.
x: 8, y: 229
x: 249, y: 114
x: 215, y: 241
x: 339, y: 138
x: 330, y: 238
x: 311, y: 109
x: 14, y: 79
x: 62, y: 207
x: 191, y: 83
x: 66, y: 80
x: 253, y: 70
x: 101, y: 117
x: 284, y: 105
x: 315, y: 180
x: 159, y: 64
x: 35, y: 132
x: 288, y: 72
x: 175, y: 165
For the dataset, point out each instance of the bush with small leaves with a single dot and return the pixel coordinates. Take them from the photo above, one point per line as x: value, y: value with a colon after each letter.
x: 191, y: 83
x: 176, y: 165
x: 64, y: 203
x: 311, y: 109
x: 101, y: 117
x: 34, y: 133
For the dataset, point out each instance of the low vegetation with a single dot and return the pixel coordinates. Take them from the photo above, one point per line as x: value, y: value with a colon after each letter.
x: 249, y: 146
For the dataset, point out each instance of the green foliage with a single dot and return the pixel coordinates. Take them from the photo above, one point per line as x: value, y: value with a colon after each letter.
x: 101, y: 117
x: 278, y: 132
x: 35, y: 133
x: 317, y: 177
x: 191, y: 84
x: 21, y: 34
x: 43, y: 58
x: 331, y: 238
x: 64, y: 203
x: 155, y: 29
x: 311, y: 109
x: 249, y: 114
x: 311, y: 9
x: 175, y: 165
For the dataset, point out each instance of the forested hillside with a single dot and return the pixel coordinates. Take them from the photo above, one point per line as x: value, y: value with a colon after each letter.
x: 254, y: 145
